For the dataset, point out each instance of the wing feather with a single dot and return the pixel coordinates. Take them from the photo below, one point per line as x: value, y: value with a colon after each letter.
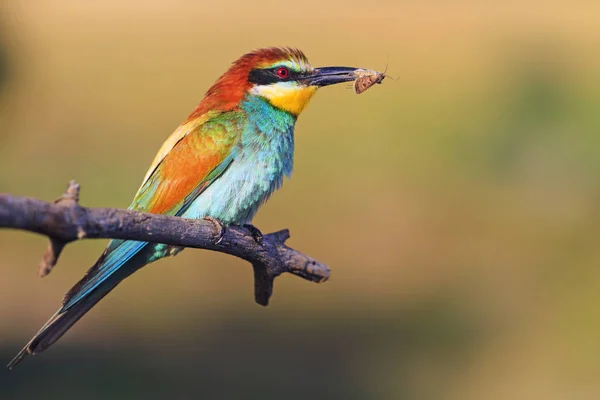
x: 193, y: 163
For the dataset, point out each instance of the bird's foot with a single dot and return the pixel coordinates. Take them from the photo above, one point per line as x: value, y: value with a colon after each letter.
x: 219, y: 225
x: 256, y: 233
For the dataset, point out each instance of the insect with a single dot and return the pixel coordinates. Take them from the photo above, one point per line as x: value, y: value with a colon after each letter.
x: 367, y: 78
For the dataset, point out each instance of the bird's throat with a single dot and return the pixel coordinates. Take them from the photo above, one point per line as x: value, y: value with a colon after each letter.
x: 292, y: 99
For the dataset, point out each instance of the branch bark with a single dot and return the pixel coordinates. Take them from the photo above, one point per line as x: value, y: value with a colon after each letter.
x: 64, y: 221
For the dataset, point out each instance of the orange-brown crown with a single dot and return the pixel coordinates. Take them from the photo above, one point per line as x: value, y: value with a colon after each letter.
x: 227, y: 92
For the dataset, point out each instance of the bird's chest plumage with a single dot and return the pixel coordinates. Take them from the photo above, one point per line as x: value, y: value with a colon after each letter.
x: 263, y: 156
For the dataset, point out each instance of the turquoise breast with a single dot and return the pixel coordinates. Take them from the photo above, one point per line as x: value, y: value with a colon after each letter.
x: 263, y: 156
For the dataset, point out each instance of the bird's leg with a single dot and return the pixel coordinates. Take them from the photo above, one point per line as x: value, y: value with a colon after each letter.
x: 256, y: 233
x: 219, y: 225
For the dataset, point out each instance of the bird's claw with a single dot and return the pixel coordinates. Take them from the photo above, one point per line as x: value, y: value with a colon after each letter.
x: 219, y: 225
x: 255, y: 232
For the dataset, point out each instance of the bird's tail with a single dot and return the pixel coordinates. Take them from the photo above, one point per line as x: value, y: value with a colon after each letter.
x: 58, y: 324
x: 63, y: 320
x: 84, y: 295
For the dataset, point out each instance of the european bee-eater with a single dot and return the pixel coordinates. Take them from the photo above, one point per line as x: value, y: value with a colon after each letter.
x: 223, y: 162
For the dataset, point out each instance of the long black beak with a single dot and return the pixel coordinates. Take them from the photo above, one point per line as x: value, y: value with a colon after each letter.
x: 326, y: 76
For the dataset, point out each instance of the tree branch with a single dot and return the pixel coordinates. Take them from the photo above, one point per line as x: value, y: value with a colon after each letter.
x: 64, y: 221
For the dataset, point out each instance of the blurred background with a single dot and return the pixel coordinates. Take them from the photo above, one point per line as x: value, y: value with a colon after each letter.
x: 458, y: 206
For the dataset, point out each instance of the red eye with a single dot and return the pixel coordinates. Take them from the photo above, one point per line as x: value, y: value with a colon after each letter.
x: 282, y: 72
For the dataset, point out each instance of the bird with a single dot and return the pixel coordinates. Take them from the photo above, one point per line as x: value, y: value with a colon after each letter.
x: 222, y: 163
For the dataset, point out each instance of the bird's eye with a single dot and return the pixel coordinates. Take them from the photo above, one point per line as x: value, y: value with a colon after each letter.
x: 282, y: 72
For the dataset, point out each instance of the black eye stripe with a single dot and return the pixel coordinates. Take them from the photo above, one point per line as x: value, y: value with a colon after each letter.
x: 269, y: 75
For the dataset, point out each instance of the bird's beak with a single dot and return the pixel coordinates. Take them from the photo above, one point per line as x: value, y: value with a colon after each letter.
x: 326, y: 76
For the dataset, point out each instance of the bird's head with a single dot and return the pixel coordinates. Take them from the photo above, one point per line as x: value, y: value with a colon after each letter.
x: 281, y: 76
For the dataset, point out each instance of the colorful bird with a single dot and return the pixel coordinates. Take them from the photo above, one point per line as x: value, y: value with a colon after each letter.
x: 222, y: 163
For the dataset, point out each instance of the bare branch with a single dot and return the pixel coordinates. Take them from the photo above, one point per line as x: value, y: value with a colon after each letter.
x: 69, y: 199
x: 64, y: 221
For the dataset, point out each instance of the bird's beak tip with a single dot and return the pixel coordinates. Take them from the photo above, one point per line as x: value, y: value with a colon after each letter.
x: 326, y: 76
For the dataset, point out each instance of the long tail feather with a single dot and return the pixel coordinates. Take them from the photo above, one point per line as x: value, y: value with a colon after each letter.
x: 71, y: 312
x: 60, y: 323
x: 25, y: 350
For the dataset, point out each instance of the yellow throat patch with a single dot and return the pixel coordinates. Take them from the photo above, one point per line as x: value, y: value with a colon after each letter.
x: 290, y: 98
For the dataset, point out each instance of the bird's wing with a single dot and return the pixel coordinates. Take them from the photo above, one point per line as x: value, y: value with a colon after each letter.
x: 180, y: 172
x: 188, y: 167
